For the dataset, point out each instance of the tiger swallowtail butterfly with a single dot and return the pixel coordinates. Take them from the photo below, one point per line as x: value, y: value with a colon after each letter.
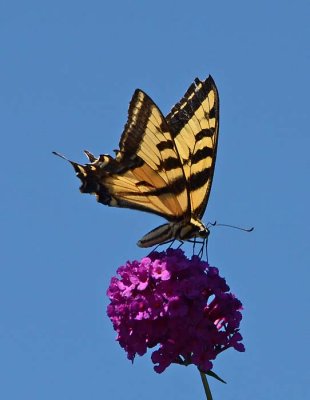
x: 164, y: 165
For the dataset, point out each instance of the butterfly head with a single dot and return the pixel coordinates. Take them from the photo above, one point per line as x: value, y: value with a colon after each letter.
x: 193, y: 228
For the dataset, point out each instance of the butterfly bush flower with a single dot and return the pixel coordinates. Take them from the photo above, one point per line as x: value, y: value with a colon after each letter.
x: 181, y: 305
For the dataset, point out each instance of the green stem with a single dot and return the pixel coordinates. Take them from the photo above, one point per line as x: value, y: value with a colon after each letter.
x: 206, y: 386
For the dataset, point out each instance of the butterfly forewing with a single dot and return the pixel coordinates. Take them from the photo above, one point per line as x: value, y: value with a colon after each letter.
x: 194, y: 123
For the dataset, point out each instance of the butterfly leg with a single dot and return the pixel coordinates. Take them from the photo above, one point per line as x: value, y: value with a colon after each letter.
x: 181, y: 243
x: 197, y: 242
x: 153, y: 251
x: 194, y: 245
x: 171, y: 244
x: 206, y: 249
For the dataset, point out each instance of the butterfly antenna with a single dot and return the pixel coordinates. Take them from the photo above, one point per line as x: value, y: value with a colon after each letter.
x: 232, y: 226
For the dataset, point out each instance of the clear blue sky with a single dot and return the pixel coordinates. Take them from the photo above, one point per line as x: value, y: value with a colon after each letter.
x: 68, y: 71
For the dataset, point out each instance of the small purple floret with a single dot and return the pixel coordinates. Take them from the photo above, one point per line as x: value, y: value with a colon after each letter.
x: 183, y: 305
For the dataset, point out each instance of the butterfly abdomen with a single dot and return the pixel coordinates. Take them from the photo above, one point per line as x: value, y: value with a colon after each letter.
x: 181, y: 230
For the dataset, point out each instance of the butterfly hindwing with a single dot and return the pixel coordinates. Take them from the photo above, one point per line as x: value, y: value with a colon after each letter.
x: 147, y: 173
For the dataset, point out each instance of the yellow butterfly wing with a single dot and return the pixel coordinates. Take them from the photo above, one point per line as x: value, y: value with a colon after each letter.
x: 194, y: 123
x: 146, y: 173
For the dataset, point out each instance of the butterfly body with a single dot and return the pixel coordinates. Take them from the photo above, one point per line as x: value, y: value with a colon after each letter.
x: 164, y: 166
x: 182, y: 230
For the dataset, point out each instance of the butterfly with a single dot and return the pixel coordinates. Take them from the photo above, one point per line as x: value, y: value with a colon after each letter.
x: 164, y: 165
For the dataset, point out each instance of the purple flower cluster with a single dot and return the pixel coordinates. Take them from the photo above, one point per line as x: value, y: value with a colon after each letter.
x: 180, y: 304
